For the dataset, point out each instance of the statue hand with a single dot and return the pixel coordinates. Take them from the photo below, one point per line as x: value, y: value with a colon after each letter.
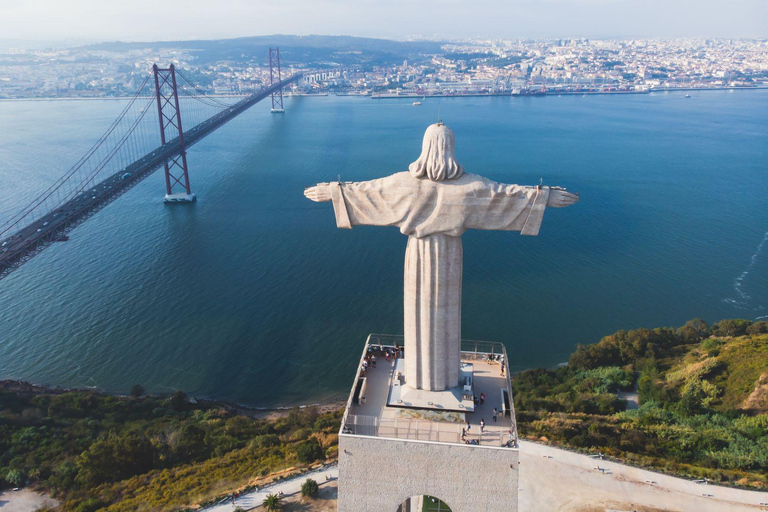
x: 320, y: 193
x: 560, y: 198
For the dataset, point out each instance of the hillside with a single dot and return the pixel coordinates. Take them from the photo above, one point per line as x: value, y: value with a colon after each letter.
x: 336, y: 50
x: 99, y: 452
x: 703, y: 396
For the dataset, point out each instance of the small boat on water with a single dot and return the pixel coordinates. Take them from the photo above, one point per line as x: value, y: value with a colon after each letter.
x: 416, y: 103
x: 687, y: 95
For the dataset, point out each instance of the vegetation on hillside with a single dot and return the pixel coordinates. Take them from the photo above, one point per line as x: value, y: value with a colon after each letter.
x: 703, y: 395
x: 100, y: 452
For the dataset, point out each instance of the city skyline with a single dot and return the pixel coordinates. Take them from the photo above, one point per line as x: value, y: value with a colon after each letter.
x: 84, y: 21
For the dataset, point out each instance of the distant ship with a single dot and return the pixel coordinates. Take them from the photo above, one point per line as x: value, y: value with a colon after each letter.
x: 687, y: 95
x: 416, y: 103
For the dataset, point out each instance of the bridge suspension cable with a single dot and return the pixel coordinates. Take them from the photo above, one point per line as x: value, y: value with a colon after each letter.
x: 133, y: 147
x: 42, y: 200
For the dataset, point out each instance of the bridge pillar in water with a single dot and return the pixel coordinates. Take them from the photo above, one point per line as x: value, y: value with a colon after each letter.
x: 274, y: 71
x: 176, y: 171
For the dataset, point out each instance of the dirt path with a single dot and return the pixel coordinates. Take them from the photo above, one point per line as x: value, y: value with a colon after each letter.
x: 24, y: 500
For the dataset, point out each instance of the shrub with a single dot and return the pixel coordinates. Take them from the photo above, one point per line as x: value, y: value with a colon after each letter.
x: 737, y: 327
x: 115, y: 458
x: 301, y: 434
x: 756, y: 328
x: 309, y: 451
x: 137, y: 390
x: 90, y: 505
x: 14, y: 478
x: 266, y: 441
x: 712, y: 346
x: 310, y: 488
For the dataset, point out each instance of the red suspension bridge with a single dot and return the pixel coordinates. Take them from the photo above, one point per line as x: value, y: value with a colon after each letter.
x: 133, y: 147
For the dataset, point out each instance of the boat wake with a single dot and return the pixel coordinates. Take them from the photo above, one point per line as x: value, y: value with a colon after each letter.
x: 742, y: 299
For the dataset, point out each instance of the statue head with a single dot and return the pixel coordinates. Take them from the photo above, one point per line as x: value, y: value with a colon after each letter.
x: 437, y: 161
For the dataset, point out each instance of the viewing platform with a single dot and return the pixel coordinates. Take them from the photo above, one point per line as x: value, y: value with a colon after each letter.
x: 381, y: 406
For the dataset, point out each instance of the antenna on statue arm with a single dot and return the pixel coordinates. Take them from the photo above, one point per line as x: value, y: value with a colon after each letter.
x: 439, y: 121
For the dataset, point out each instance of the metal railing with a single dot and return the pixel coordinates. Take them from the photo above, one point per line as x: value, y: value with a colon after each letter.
x: 405, y: 428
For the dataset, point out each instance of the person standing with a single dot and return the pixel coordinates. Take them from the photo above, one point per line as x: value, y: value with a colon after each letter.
x: 482, y: 425
x: 495, y: 413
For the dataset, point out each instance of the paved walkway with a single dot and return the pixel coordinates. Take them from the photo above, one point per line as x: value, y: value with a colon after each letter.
x: 555, y: 480
x: 288, y: 486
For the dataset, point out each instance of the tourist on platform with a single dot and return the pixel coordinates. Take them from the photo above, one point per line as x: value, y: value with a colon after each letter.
x: 482, y: 425
x: 495, y: 413
x: 482, y: 398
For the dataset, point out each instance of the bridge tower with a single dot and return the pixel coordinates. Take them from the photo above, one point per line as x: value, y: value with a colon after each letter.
x: 176, y: 170
x: 274, y: 71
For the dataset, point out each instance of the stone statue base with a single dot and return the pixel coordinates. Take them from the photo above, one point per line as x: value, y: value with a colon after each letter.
x: 456, y: 399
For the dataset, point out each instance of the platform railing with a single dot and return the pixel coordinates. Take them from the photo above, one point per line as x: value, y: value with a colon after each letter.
x: 491, y: 351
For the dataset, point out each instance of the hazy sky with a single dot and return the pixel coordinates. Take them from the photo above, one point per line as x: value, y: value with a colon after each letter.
x: 142, y: 20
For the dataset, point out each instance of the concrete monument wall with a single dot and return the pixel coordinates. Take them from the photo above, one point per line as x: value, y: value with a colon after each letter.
x: 377, y: 474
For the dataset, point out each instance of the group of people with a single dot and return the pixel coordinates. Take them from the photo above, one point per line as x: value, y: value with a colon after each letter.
x: 498, y: 358
x: 369, y: 362
x: 466, y: 429
x: 389, y: 353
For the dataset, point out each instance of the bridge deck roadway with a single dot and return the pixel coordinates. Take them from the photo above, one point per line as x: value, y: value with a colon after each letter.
x: 22, y: 245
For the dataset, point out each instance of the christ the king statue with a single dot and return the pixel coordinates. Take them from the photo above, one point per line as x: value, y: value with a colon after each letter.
x: 434, y: 203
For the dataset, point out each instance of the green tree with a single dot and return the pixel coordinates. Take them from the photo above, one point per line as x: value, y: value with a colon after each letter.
x: 310, y: 488
x: 137, y: 390
x: 189, y: 444
x: 272, y: 503
x: 179, y: 401
x: 14, y: 477
x: 648, y: 386
x: 309, y: 451
x: 756, y: 328
x: 694, y: 331
x: 692, y: 398
x: 736, y: 327
x: 115, y: 458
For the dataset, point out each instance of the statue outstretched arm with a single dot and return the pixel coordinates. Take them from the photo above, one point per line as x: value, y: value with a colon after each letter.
x: 379, y: 202
x: 320, y: 193
x: 560, y: 198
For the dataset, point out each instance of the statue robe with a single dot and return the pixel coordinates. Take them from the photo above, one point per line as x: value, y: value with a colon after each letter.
x: 434, y: 215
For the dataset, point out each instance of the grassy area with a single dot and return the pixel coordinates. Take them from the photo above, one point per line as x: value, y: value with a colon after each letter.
x: 100, y: 452
x: 703, y: 400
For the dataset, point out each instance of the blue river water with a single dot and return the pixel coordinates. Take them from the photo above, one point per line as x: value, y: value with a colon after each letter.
x: 253, y: 295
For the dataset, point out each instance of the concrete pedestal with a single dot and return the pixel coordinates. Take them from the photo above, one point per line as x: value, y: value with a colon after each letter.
x: 378, y: 474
